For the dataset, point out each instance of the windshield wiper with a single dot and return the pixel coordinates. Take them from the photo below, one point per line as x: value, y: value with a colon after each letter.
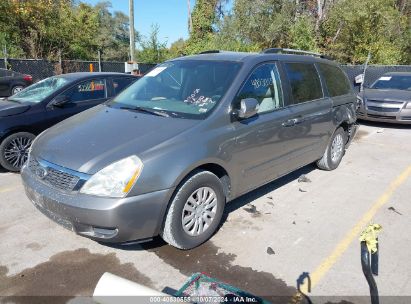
x: 145, y: 110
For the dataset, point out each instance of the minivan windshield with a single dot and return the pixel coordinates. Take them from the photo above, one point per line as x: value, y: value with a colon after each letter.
x: 398, y: 82
x: 40, y: 90
x: 181, y: 88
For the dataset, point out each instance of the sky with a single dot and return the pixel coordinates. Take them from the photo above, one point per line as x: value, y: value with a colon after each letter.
x: 170, y: 15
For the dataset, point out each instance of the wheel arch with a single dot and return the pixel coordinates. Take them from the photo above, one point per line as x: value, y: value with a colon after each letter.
x: 345, y: 117
x: 212, y: 167
x: 9, y: 132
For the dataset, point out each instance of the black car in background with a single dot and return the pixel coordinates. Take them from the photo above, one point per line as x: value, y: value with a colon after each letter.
x: 12, y: 82
x: 47, y: 102
x: 388, y: 99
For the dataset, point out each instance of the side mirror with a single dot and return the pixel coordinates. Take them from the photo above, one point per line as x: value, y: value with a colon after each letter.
x: 248, y: 108
x: 59, y: 101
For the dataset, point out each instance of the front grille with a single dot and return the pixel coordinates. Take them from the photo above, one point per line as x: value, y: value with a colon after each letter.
x: 388, y: 106
x: 382, y: 116
x: 55, y: 178
x: 380, y: 109
x: 394, y: 102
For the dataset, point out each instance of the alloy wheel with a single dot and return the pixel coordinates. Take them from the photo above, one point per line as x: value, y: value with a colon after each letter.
x: 17, y: 151
x: 337, y: 147
x: 199, y: 211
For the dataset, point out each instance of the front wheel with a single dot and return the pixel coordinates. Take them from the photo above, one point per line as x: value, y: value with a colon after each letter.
x: 14, y: 150
x: 334, y: 151
x: 195, y: 211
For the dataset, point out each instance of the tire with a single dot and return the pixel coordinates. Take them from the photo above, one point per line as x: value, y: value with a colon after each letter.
x: 180, y: 207
x: 14, y: 150
x: 334, y: 152
x: 16, y: 89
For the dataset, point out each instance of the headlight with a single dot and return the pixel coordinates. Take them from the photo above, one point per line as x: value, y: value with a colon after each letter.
x: 115, y: 180
x: 408, y: 105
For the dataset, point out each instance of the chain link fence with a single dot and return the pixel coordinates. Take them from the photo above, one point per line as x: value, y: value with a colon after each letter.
x: 40, y: 68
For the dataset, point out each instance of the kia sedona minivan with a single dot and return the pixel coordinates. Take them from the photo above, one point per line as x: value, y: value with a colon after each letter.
x: 166, y: 155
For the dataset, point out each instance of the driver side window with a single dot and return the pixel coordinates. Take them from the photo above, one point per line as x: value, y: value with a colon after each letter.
x: 87, y: 90
x: 264, y: 85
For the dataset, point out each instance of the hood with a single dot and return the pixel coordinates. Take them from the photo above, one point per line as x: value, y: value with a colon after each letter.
x: 8, y: 108
x: 93, y: 139
x: 394, y: 95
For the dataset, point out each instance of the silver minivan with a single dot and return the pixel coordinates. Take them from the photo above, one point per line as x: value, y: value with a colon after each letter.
x: 166, y: 155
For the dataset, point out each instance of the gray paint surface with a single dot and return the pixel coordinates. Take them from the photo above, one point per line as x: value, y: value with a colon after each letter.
x: 252, y: 151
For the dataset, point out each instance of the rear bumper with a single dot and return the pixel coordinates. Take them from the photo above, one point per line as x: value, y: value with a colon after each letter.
x: 104, y: 219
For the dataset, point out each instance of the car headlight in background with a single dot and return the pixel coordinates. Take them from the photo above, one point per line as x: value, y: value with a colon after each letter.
x: 115, y: 180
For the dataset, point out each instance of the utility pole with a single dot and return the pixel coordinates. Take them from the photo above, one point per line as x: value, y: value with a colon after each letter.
x: 132, y: 35
x: 5, y: 56
x: 190, y: 21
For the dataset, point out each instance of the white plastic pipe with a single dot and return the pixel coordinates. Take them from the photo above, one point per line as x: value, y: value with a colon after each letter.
x: 111, y: 286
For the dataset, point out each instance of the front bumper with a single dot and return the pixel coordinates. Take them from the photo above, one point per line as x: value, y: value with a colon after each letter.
x: 403, y: 116
x: 112, y: 220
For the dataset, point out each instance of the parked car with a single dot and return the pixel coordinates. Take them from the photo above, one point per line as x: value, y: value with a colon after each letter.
x: 12, y: 82
x: 388, y: 99
x: 47, y: 102
x: 164, y: 156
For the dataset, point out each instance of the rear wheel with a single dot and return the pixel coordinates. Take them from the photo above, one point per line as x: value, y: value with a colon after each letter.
x: 14, y: 150
x: 16, y: 89
x: 334, y: 151
x: 195, y: 211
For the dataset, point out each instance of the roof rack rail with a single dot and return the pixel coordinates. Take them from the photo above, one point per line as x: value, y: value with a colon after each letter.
x: 210, y: 52
x: 293, y: 51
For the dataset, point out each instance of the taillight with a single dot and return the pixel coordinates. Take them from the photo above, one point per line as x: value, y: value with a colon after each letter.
x: 28, y: 78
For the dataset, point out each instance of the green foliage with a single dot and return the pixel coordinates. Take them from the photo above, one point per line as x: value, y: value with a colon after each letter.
x: 355, y: 28
x: 113, y: 35
x: 344, y: 29
x: 177, y: 49
x: 302, y: 34
x: 153, y: 51
x: 72, y: 29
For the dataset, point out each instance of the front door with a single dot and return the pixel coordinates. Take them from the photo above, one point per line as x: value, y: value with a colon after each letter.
x: 261, y: 141
x: 81, y: 96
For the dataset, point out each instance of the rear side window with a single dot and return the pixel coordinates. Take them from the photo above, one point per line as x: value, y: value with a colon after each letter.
x: 335, y: 80
x: 120, y: 84
x: 304, y: 80
x: 264, y: 85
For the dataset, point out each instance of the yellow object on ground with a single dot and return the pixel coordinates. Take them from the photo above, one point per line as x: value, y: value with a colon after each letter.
x: 369, y: 235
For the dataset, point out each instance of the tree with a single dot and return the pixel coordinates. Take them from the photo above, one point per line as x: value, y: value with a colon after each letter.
x: 302, y: 34
x: 113, y: 35
x: 355, y: 28
x: 177, y: 49
x: 153, y: 51
x: 204, y: 18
